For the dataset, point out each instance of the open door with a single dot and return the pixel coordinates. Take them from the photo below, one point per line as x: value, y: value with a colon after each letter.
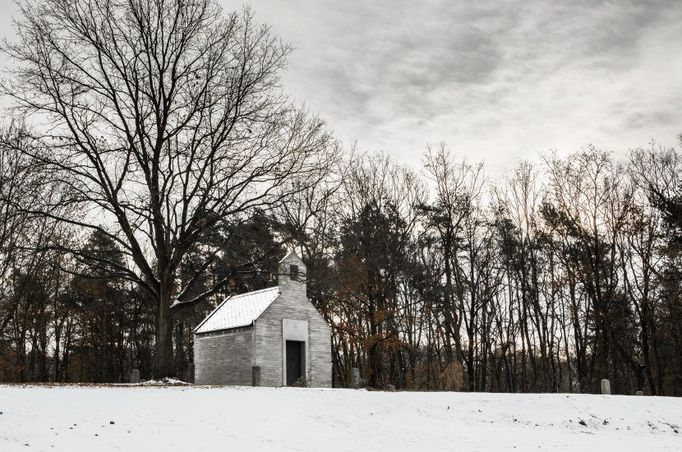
x: 295, y: 361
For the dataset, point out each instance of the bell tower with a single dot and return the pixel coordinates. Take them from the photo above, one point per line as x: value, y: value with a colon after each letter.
x: 291, y: 274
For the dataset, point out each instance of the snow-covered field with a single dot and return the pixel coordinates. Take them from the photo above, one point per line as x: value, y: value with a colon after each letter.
x: 75, y: 419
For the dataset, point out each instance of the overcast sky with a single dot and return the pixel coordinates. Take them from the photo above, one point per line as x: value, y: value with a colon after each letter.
x: 496, y: 80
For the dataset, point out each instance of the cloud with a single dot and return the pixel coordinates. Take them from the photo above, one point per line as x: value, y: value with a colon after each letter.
x: 497, y: 80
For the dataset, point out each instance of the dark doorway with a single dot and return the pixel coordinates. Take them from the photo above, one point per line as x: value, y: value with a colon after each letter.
x: 295, y: 361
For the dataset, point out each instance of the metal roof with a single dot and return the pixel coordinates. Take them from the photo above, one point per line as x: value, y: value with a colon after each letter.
x: 239, y: 310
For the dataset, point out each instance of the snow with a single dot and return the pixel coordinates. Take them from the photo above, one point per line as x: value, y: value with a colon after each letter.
x: 239, y: 310
x: 190, y: 418
x: 162, y: 382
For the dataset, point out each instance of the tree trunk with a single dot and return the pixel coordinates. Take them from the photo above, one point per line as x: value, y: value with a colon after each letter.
x: 164, y: 335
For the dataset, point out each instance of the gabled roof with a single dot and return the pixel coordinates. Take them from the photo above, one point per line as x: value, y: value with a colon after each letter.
x: 239, y: 310
x: 288, y: 255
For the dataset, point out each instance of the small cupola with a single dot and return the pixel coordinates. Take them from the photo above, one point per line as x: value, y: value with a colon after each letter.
x: 291, y: 272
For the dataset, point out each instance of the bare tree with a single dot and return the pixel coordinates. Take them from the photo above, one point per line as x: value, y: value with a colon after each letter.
x: 17, y: 182
x: 458, y: 188
x: 158, y: 119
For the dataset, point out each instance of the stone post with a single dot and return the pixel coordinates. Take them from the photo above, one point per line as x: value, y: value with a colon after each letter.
x: 605, y: 386
x: 255, y: 376
x: 135, y: 376
x: 355, y: 380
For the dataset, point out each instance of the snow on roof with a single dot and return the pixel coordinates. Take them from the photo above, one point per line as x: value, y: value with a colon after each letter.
x: 287, y: 256
x: 239, y: 310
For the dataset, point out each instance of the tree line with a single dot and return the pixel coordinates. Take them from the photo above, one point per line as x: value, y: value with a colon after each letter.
x: 155, y: 166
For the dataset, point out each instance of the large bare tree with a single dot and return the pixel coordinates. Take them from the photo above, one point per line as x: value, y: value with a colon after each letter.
x: 158, y: 119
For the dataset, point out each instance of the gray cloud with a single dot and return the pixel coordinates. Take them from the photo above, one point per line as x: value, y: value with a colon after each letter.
x: 497, y: 80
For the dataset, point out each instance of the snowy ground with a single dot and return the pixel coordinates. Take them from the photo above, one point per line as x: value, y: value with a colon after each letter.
x: 178, y: 418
